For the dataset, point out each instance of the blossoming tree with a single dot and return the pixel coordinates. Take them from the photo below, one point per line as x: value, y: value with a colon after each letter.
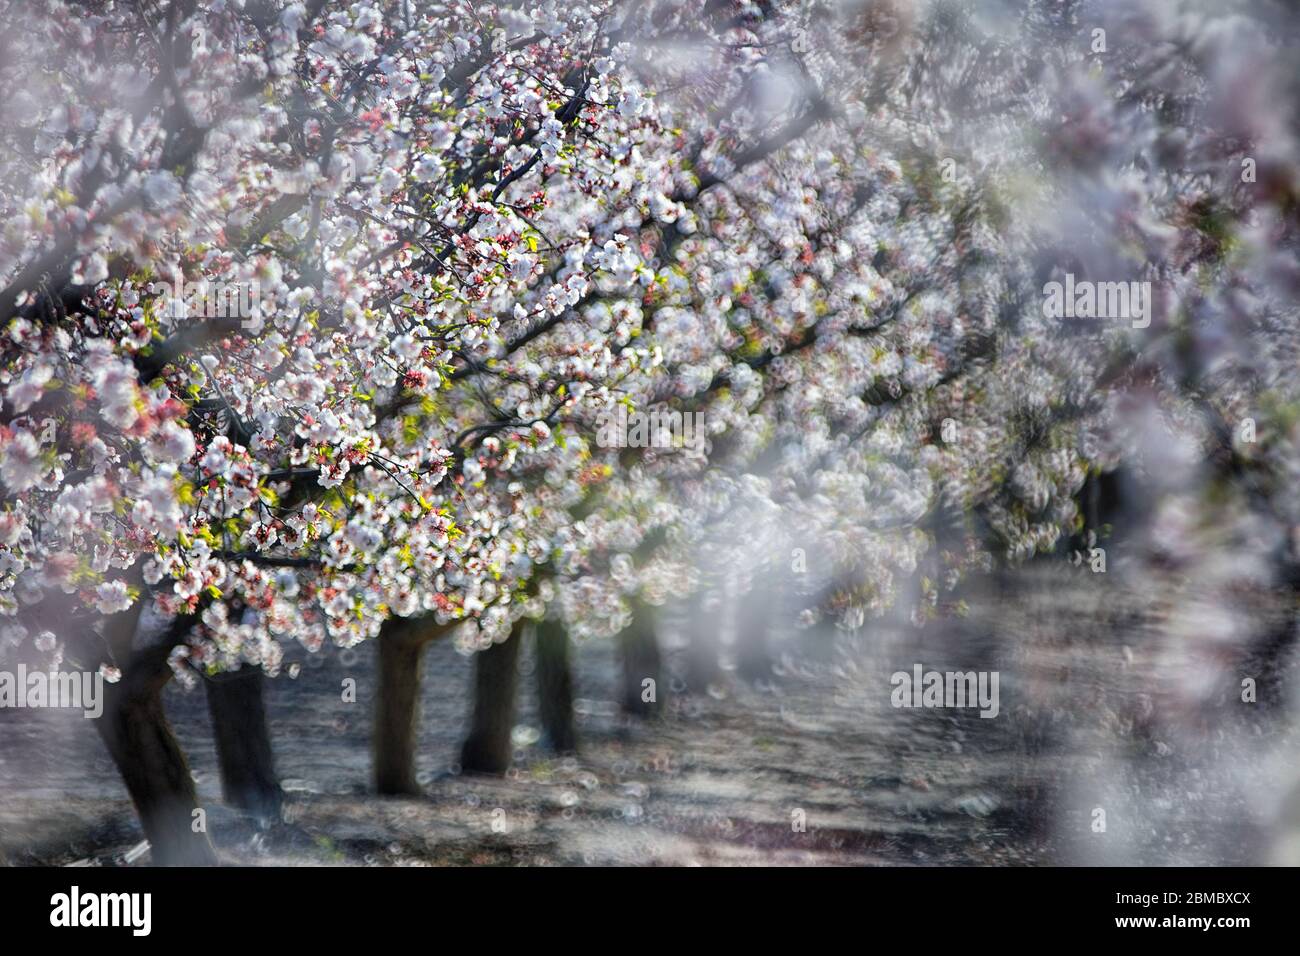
x: 314, y: 315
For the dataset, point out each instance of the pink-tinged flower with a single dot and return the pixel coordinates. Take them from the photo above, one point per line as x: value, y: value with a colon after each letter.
x: 115, y: 385
x: 12, y: 526
x: 90, y: 270
x: 161, y: 189
x: 189, y: 583
x: 172, y: 442
x: 112, y: 597
x: 152, y: 571
x: 21, y: 466
x: 110, y: 673
x: 261, y: 535
x: 402, y: 85
x: 27, y: 390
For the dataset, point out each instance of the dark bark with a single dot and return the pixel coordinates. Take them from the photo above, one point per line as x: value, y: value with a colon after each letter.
x: 753, y: 615
x: 641, y: 663
x: 704, y: 643
x: 153, y: 767
x: 487, y: 749
x: 1272, y: 660
x: 397, y: 704
x: 1111, y: 506
x: 555, y: 687
x: 238, y: 710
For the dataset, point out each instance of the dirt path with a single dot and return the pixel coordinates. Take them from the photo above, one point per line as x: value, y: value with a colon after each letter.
x: 816, y: 767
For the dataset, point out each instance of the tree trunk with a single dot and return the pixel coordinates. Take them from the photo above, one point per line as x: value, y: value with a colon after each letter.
x: 704, y: 630
x: 397, y: 703
x: 238, y: 710
x: 1270, y: 661
x: 641, y: 664
x: 753, y: 654
x: 555, y: 686
x: 153, y: 767
x: 496, y: 679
